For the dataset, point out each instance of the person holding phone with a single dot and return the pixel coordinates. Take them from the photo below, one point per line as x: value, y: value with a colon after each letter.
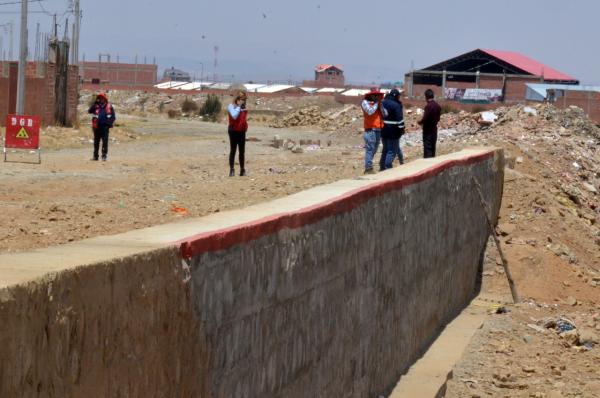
x: 238, y: 125
x: 103, y: 119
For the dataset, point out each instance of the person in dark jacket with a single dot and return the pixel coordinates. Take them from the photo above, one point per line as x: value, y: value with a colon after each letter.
x: 393, y: 129
x: 103, y: 120
x: 238, y: 125
x: 429, y: 121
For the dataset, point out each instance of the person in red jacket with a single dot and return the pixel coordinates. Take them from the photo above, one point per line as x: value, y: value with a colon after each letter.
x: 103, y: 119
x: 238, y: 125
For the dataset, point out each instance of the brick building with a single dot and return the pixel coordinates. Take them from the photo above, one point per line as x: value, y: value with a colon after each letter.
x: 117, y: 73
x: 40, y: 91
x: 502, y: 75
x: 327, y: 76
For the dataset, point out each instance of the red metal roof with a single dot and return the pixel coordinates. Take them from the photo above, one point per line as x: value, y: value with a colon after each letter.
x: 323, y: 67
x: 529, y: 65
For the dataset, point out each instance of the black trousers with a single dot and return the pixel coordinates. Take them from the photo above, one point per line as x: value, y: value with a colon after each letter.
x: 429, y: 141
x: 101, y: 134
x: 237, y: 140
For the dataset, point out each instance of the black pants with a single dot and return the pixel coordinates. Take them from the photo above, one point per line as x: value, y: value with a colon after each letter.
x: 429, y: 141
x: 237, y: 140
x: 101, y: 134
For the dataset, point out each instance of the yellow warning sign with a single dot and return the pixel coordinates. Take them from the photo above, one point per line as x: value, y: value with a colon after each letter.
x: 22, y: 134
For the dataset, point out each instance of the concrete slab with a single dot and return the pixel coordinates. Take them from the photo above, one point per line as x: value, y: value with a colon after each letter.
x: 428, y: 376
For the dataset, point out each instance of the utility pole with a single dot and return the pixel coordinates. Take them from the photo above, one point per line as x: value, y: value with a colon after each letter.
x: 72, y: 46
x: 10, y: 47
x: 135, y: 72
x: 36, y: 57
x: 22, y: 60
x: 201, y: 74
x: 66, y: 35
x: 76, y: 29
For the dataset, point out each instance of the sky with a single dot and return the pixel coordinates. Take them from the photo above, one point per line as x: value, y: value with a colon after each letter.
x: 281, y: 40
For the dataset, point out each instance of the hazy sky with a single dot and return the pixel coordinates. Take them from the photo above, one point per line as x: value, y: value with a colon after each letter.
x: 372, y: 40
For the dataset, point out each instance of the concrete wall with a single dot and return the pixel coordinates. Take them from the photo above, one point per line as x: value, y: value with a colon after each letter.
x: 330, y: 292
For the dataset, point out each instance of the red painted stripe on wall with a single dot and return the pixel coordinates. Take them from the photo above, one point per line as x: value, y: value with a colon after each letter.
x: 227, y: 237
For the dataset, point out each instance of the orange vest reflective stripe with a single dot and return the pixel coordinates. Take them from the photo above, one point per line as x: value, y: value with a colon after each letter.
x: 374, y: 121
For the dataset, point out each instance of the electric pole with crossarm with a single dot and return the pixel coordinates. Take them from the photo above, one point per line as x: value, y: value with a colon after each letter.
x: 22, y: 60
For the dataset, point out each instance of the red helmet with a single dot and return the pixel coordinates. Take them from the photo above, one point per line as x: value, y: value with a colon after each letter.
x: 374, y: 92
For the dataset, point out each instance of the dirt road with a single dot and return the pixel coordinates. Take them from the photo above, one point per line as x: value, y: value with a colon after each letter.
x: 171, y: 165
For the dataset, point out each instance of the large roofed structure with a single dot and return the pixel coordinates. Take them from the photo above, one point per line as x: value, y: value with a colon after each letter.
x: 498, y: 62
x: 507, y: 71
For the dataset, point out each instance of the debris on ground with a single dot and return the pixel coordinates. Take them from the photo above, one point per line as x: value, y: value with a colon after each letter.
x: 332, y: 120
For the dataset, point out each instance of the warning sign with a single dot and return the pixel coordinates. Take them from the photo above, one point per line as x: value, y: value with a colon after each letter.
x: 22, y: 132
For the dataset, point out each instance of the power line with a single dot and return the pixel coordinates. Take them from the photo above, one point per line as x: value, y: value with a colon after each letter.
x: 19, y: 12
x: 19, y: 2
x: 48, y: 12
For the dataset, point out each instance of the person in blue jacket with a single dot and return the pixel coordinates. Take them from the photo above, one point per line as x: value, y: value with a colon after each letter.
x: 103, y: 120
x: 393, y: 129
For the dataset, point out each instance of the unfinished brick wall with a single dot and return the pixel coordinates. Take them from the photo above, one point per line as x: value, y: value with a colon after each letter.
x: 517, y: 88
x: 119, y: 73
x: 40, y: 80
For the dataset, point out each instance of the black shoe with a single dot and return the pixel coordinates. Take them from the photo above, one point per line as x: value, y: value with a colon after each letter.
x: 242, y: 173
x: 94, y: 159
x: 232, y: 173
x: 103, y: 158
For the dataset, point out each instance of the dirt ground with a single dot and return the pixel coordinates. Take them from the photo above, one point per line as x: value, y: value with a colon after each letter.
x: 160, y: 170
x: 173, y: 165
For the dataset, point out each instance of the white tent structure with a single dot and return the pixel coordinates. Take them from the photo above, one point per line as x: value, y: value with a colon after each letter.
x: 253, y: 87
x: 170, y: 84
x: 274, y: 88
x: 330, y: 90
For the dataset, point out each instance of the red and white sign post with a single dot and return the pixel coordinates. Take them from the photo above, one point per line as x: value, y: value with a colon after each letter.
x: 22, y: 132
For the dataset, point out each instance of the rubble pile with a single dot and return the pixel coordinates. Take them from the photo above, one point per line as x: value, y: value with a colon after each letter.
x: 571, y: 120
x: 575, y: 143
x: 568, y: 136
x: 332, y: 120
x: 139, y: 102
x: 462, y: 121
x: 310, y: 116
x: 297, y: 147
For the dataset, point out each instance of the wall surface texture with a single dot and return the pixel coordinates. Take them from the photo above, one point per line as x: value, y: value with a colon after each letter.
x: 330, y: 292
